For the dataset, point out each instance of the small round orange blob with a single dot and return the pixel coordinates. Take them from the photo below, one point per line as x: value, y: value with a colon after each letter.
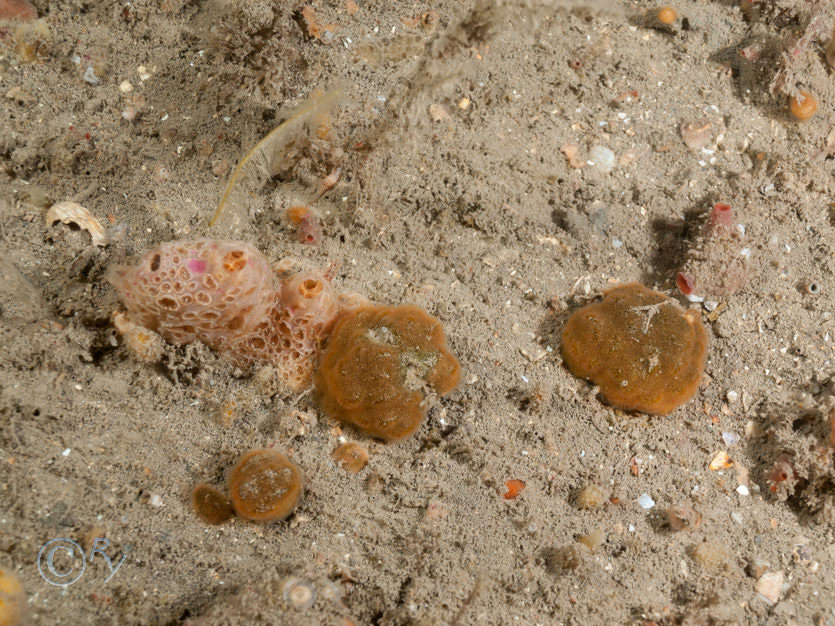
x: 297, y: 213
x: 265, y: 486
x: 803, y: 106
x: 666, y: 15
x: 210, y: 505
x: 351, y: 457
x: 12, y: 599
x: 514, y: 488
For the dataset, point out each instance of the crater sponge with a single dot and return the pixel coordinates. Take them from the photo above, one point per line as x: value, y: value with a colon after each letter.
x: 644, y: 351
x: 377, y: 363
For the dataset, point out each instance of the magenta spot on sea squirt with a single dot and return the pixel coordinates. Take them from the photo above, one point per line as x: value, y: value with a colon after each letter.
x: 198, y: 266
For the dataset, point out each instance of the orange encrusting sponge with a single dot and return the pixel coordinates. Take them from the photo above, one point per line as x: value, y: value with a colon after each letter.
x: 375, y: 367
x: 644, y: 351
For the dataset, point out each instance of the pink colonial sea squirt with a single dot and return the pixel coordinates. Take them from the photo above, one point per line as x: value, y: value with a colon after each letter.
x: 224, y: 294
x: 719, y: 262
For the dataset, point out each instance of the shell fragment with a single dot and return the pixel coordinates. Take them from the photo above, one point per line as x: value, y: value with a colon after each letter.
x: 73, y: 213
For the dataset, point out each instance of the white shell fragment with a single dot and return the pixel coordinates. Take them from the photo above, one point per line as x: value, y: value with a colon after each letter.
x: 73, y: 213
x: 769, y: 586
x: 646, y: 501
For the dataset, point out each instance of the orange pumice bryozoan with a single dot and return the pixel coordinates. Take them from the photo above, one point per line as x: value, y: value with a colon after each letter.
x: 644, y: 351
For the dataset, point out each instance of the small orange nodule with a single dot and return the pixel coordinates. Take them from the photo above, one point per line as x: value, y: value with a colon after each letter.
x: 12, y: 599
x: 351, y: 457
x: 803, y: 106
x: 210, y: 505
x: 297, y: 213
x: 234, y: 261
x: 644, y: 351
x: 310, y: 288
x: 514, y: 488
x: 265, y: 486
x: 666, y: 15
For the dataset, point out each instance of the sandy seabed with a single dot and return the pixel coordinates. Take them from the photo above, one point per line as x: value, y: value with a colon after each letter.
x: 500, y: 164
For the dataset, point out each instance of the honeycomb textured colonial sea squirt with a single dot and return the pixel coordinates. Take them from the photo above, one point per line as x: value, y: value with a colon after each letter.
x: 375, y: 367
x: 225, y: 294
x: 644, y: 351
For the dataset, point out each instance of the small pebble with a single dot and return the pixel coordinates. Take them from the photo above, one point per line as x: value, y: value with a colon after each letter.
x: 90, y: 76
x: 602, y: 158
x: 743, y: 490
x: 730, y: 438
x: 769, y: 586
x: 646, y: 501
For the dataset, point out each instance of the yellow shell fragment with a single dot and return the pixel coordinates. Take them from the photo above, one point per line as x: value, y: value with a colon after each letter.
x: 73, y: 213
x: 721, y: 461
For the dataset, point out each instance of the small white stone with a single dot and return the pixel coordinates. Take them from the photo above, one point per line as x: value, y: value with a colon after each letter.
x: 66, y: 452
x: 732, y: 396
x: 743, y: 490
x: 646, y: 501
x: 90, y: 76
x: 156, y: 501
x: 602, y: 158
x: 730, y: 438
x: 769, y: 586
x: 125, y: 86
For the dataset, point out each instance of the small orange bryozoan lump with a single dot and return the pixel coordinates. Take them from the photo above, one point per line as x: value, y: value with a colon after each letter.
x: 590, y: 497
x: 265, y: 486
x: 803, y: 106
x: 666, y: 15
x: 211, y: 505
x: 144, y: 344
x: 683, y: 517
x: 351, y: 457
x: 12, y: 599
x: 376, y: 365
x: 514, y: 488
x: 644, y: 351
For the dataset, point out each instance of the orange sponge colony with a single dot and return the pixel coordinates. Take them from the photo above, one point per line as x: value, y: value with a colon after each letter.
x: 644, y: 351
x: 12, y: 599
x: 378, y: 360
x: 225, y: 294
x: 265, y: 486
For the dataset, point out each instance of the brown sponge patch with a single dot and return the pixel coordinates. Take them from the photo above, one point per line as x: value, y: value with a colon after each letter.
x: 376, y: 365
x: 644, y: 351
